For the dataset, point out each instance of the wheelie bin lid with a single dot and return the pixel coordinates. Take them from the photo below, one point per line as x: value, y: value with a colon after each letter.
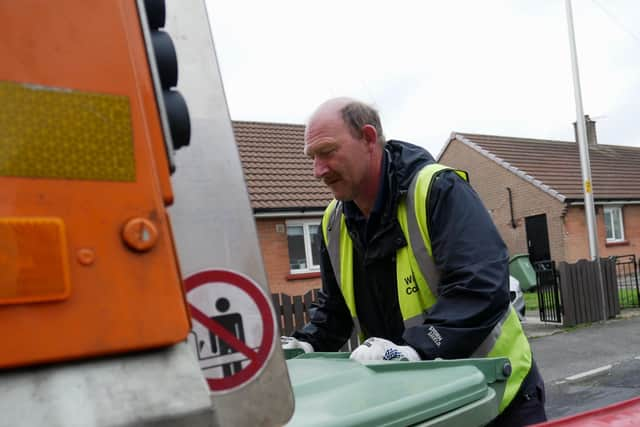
x: 332, y: 390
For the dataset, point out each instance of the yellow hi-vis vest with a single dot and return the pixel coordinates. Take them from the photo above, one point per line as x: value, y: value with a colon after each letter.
x: 418, y: 278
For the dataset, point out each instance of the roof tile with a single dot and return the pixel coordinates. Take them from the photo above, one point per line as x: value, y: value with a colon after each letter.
x: 615, y: 169
x: 277, y: 173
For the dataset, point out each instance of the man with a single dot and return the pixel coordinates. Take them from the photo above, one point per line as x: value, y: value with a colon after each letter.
x: 410, y: 258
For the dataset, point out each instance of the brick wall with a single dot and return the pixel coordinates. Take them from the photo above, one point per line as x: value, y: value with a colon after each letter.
x: 490, y: 180
x: 577, y: 240
x: 275, y: 255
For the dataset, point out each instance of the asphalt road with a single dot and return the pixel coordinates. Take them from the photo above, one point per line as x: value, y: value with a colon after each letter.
x: 604, y: 358
x: 622, y: 382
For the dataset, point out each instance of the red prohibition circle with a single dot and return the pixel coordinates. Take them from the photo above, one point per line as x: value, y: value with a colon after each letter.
x: 258, y: 358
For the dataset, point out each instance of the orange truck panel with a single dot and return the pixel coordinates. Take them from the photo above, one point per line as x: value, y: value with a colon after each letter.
x: 87, y: 262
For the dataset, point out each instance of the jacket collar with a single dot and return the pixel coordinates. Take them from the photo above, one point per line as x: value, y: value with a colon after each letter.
x: 400, y: 162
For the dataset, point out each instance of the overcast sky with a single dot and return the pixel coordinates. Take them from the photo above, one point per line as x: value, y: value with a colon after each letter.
x: 499, y: 67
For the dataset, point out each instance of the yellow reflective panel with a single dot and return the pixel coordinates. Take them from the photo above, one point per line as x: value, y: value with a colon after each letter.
x: 34, y: 263
x: 48, y: 132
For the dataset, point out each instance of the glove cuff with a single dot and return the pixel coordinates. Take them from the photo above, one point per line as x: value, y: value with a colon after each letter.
x: 307, y: 347
x: 411, y: 353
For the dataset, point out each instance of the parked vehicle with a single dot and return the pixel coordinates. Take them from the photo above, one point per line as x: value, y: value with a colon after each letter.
x: 625, y: 413
x: 517, y: 296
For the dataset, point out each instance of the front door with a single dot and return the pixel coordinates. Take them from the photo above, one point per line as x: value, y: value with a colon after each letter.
x: 537, y: 238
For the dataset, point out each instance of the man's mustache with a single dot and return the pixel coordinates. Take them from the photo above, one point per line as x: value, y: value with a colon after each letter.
x: 330, y: 179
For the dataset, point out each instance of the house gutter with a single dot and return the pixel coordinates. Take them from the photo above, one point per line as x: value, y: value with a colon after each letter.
x: 293, y: 213
x: 615, y: 202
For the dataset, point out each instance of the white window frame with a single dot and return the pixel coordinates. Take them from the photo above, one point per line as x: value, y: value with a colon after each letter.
x: 614, y: 210
x: 306, y: 223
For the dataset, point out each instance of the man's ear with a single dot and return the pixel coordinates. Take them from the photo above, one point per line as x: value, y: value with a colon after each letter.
x: 370, y: 134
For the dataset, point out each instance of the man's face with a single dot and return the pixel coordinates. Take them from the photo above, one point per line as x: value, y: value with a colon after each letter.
x: 339, y: 159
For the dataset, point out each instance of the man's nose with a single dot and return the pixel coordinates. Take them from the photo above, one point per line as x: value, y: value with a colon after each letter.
x: 320, y: 168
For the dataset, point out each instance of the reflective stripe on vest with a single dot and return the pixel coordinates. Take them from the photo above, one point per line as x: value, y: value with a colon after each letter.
x: 417, y: 277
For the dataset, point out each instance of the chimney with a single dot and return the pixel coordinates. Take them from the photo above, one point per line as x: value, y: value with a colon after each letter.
x: 592, y: 138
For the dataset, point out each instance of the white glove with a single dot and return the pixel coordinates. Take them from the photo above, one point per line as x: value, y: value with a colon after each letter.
x: 381, y: 349
x: 290, y: 343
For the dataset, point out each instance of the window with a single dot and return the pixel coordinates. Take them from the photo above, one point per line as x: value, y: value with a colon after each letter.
x: 304, y: 248
x: 613, y: 223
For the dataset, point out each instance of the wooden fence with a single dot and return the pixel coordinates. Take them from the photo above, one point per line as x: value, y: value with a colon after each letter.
x: 581, y: 294
x: 293, y: 313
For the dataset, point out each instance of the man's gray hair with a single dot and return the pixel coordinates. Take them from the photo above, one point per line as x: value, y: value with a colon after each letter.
x: 356, y: 114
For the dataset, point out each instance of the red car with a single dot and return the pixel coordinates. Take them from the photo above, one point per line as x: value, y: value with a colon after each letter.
x: 621, y: 414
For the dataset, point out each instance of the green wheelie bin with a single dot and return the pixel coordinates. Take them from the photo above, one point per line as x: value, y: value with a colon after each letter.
x: 520, y: 267
x: 334, y: 391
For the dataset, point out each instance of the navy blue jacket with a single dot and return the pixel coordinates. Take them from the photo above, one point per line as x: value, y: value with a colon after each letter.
x: 473, y: 293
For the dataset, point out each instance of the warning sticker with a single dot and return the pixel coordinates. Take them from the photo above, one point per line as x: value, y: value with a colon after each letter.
x: 234, y: 327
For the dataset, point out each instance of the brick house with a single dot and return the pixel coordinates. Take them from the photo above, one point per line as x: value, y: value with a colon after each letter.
x: 287, y: 202
x: 533, y: 190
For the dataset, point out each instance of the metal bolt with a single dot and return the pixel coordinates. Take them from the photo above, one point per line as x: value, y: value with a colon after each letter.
x: 506, y: 369
x: 140, y: 234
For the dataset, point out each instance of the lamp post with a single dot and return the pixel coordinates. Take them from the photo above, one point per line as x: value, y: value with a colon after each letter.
x: 585, y: 164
